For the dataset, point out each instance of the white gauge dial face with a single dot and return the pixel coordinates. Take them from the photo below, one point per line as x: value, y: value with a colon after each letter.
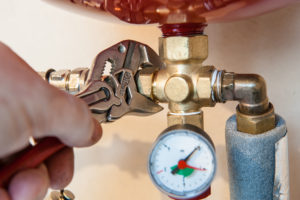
x: 182, y: 164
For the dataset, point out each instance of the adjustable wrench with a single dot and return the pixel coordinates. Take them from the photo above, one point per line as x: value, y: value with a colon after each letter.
x: 109, y: 97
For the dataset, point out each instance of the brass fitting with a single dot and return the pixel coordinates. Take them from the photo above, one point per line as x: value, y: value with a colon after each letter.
x: 60, y: 79
x: 77, y: 79
x: 185, y: 82
x: 67, y: 80
x: 195, y: 119
x: 255, y: 114
x: 249, y: 89
x: 186, y: 85
x: 204, y: 87
x: 255, y: 124
x: 178, y: 49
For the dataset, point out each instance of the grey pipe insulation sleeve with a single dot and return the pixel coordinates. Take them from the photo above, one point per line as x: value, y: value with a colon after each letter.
x: 258, y: 164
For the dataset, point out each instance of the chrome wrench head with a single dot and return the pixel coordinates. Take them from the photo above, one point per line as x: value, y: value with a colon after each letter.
x: 131, y: 100
x: 117, y: 80
x: 100, y: 98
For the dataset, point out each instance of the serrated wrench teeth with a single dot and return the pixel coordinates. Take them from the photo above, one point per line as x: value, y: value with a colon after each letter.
x: 114, y: 70
x: 131, y: 100
x: 108, y: 61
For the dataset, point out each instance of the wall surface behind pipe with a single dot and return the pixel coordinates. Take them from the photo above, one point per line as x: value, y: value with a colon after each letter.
x: 115, y: 168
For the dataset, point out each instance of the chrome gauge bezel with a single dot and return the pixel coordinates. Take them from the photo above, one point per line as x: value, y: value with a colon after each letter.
x: 195, y: 132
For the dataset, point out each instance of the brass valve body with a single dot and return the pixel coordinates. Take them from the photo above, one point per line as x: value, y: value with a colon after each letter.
x: 185, y: 82
x: 187, y: 86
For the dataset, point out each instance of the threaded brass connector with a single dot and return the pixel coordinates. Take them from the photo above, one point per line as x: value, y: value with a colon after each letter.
x: 71, y: 81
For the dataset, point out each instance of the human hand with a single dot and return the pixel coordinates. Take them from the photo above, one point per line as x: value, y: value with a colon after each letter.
x: 31, y: 107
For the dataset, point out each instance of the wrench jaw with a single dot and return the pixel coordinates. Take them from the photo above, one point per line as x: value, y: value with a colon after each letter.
x: 100, y: 117
x: 115, y: 54
x: 109, y: 87
x: 109, y: 98
x: 132, y: 102
x: 148, y: 108
x: 149, y: 58
x: 125, y: 57
x: 100, y: 98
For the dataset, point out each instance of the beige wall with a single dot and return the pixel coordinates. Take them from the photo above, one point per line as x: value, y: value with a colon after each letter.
x: 47, y: 36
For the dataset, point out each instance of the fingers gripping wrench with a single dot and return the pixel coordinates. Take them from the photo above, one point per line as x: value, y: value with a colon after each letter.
x: 109, y: 95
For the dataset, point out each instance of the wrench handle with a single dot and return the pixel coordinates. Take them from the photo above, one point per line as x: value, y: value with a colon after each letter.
x: 31, y: 157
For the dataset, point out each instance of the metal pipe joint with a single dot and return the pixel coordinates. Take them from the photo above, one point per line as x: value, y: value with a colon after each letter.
x: 249, y: 89
x: 71, y: 81
x: 186, y: 85
x: 255, y: 114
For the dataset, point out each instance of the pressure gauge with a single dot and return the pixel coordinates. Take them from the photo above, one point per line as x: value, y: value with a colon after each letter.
x: 182, y: 162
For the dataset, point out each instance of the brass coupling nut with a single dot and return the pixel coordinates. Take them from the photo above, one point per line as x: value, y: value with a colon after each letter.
x: 67, y: 80
x: 222, y: 84
x: 179, y: 48
x: 195, y: 118
x: 208, y: 79
x: 256, y: 124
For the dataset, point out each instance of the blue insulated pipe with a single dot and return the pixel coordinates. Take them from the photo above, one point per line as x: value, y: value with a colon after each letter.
x: 258, y: 164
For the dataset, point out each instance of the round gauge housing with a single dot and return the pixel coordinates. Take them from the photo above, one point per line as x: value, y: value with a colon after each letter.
x: 182, y: 162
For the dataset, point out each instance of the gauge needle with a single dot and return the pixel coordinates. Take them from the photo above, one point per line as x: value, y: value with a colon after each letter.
x: 182, y: 165
x: 175, y: 170
x: 190, y: 155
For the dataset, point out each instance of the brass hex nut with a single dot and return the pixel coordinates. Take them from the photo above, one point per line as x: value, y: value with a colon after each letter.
x: 74, y: 82
x: 256, y: 124
x: 184, y: 48
x: 194, y: 119
x: 204, y: 88
x: 60, y: 79
x: 77, y: 79
x: 145, y: 79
